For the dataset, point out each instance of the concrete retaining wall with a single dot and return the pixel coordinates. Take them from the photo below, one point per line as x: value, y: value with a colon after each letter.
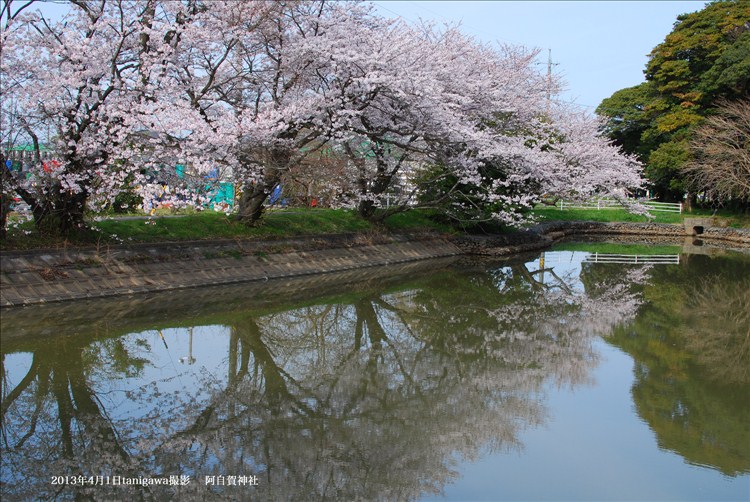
x: 74, y: 274
x: 192, y: 306
x: 31, y: 278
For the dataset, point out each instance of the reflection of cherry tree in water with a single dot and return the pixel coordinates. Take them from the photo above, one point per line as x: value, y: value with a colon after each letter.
x: 377, y: 398
x: 537, y: 317
x: 54, y: 422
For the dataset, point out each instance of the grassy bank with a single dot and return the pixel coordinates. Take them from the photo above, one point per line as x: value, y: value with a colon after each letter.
x: 211, y: 225
x: 614, y: 215
x: 555, y: 214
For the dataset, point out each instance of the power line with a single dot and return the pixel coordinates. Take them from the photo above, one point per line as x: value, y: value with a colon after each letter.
x: 574, y: 103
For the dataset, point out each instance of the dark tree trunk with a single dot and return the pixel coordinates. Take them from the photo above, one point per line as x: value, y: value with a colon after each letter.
x: 61, y: 214
x: 252, y: 201
x: 277, y: 392
x: 6, y: 196
x: 64, y: 411
x: 56, y: 212
x: 4, y: 212
x: 72, y: 210
x: 253, y: 198
x: 690, y: 200
x: 367, y: 209
x: 385, y: 174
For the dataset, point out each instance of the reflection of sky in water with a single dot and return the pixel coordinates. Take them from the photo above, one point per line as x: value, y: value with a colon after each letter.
x: 16, y: 366
x: 594, y: 447
x: 565, y: 264
x: 169, y: 366
x: 164, y: 367
x: 173, y: 377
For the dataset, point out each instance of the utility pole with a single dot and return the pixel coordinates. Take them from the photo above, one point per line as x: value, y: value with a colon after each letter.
x: 549, y: 78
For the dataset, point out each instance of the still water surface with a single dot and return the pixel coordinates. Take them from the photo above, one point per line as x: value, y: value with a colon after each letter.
x: 549, y: 377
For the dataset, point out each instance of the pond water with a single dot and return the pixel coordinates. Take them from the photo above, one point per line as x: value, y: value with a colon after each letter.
x: 574, y: 374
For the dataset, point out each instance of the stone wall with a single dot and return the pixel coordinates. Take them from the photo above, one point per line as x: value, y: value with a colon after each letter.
x: 546, y: 234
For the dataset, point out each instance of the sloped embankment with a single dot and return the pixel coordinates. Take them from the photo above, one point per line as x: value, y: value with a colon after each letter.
x: 60, y: 275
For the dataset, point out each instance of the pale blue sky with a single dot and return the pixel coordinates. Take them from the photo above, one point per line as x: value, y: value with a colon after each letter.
x: 600, y: 46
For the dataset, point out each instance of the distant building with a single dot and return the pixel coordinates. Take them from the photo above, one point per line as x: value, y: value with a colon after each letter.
x: 23, y: 156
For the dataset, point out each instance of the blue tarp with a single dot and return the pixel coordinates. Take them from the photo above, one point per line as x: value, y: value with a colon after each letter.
x: 275, y: 195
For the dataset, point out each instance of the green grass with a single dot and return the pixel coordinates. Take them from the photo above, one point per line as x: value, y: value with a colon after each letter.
x: 415, y: 220
x: 733, y: 219
x: 308, y: 221
x: 280, y: 223
x: 187, y: 227
x: 554, y: 214
x: 545, y: 213
x: 212, y: 225
x: 209, y: 225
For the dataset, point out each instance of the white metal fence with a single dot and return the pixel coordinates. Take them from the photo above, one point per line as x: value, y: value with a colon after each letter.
x: 667, y: 207
x: 599, y: 204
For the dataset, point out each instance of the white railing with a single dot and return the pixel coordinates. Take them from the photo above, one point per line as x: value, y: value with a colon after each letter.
x: 651, y: 259
x: 599, y: 204
x: 667, y: 207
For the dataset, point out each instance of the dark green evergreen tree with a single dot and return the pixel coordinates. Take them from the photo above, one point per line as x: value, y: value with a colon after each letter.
x: 704, y: 59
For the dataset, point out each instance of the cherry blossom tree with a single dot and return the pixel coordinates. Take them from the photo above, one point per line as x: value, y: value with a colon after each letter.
x: 232, y: 84
x: 583, y: 163
x: 282, y: 81
x: 442, y: 100
x: 73, y: 77
x: 9, y: 127
x: 254, y: 90
x: 426, y: 107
